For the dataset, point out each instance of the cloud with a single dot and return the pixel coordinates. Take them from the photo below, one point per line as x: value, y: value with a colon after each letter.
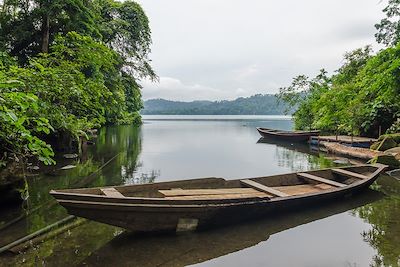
x: 174, y: 89
x: 246, y: 72
x: 207, y: 49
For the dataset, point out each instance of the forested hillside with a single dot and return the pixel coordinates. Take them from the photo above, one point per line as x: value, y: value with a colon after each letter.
x: 257, y: 104
x: 66, y: 67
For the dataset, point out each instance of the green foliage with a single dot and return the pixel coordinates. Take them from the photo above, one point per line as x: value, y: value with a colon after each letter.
x: 122, y: 26
x: 382, y: 215
x: 302, y: 93
x: 394, y: 128
x: 125, y: 28
x: 353, y: 62
x: 81, y: 78
x: 66, y: 67
x: 389, y: 27
x: 23, y: 23
x: 361, y: 98
x: 21, y: 124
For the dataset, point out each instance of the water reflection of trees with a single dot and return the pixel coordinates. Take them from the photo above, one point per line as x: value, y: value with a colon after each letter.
x: 384, y: 215
x: 297, y: 156
x: 124, y: 142
x: 140, y: 178
x: 188, y: 249
x: 112, y: 161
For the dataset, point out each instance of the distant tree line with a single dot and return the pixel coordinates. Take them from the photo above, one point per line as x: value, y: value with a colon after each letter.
x: 255, y: 105
x: 362, y: 96
x: 67, y: 66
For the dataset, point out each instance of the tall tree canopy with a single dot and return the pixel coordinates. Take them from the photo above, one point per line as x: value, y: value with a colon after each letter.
x: 361, y: 98
x: 125, y: 28
x: 28, y: 27
x: 78, y: 63
x: 389, y: 27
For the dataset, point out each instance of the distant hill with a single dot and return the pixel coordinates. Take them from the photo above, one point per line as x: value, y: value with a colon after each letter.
x: 254, y: 105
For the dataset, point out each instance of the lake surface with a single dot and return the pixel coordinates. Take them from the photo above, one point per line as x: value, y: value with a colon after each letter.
x: 358, y: 231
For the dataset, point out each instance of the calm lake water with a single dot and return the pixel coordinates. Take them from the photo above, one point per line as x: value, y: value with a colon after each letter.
x: 358, y: 231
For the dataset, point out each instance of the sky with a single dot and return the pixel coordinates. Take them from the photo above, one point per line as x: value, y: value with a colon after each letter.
x: 224, y: 49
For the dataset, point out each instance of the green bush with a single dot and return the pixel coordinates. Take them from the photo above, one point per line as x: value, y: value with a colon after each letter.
x: 22, y: 125
x: 76, y: 87
x: 395, y: 127
x: 361, y: 98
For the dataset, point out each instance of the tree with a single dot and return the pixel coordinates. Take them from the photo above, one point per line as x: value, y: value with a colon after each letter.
x: 78, y: 63
x: 125, y: 28
x: 21, y: 124
x: 29, y: 27
x: 353, y: 62
x: 303, y: 93
x: 389, y: 27
x: 361, y: 98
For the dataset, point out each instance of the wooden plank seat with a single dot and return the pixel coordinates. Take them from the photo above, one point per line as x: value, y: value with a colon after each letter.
x: 349, y: 174
x: 301, y: 189
x: 218, y: 193
x: 257, y: 194
x: 226, y: 193
x: 111, y: 192
x: 320, y: 179
x: 195, y: 192
x: 263, y: 188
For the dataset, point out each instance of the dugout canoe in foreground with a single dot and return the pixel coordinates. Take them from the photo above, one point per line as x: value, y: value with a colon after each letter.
x: 207, y: 202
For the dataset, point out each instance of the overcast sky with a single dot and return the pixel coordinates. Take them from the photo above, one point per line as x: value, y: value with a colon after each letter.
x: 224, y: 49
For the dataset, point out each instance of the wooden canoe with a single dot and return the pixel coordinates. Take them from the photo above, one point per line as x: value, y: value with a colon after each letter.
x: 295, y: 136
x: 184, y: 250
x: 201, y: 203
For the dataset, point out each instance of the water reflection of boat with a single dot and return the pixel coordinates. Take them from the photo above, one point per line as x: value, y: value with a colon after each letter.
x: 197, y: 247
x: 202, y: 203
x: 300, y: 147
x: 294, y: 136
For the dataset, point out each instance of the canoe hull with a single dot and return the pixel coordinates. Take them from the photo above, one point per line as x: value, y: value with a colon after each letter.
x: 287, y: 136
x: 175, y: 218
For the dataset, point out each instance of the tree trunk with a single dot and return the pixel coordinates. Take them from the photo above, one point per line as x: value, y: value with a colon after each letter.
x: 45, y: 33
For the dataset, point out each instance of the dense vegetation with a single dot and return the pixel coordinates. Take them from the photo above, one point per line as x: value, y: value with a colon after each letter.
x: 66, y: 67
x: 363, y: 96
x: 254, y: 105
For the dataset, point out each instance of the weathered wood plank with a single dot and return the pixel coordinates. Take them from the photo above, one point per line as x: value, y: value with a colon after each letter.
x: 217, y: 191
x: 355, y: 152
x: 301, y: 189
x: 111, y: 192
x: 263, y: 188
x: 224, y: 193
x: 320, y: 179
x: 220, y: 196
x: 349, y: 174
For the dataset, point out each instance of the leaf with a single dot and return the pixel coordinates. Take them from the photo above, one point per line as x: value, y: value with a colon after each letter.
x: 12, y: 115
x: 11, y: 84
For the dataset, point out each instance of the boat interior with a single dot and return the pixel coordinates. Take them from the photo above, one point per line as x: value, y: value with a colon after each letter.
x: 283, y: 131
x: 285, y: 185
